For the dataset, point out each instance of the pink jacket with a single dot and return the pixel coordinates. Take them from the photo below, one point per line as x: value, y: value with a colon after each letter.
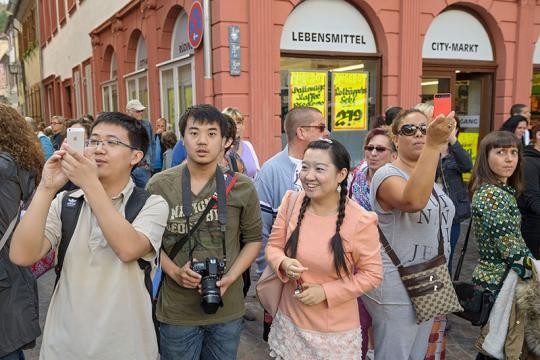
x: 339, y: 312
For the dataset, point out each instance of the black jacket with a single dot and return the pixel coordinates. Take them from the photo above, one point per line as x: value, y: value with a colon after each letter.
x: 450, y: 175
x: 529, y: 201
x: 19, y: 320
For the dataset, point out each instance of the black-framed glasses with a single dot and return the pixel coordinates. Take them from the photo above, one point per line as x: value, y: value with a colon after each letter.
x: 321, y: 127
x: 108, y: 143
x: 379, y: 149
x: 410, y: 129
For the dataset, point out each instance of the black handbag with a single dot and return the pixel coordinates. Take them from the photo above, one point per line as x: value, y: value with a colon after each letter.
x: 475, y: 300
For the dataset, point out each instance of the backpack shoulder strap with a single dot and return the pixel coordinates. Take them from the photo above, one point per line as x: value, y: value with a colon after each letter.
x: 69, y: 216
x: 135, y: 203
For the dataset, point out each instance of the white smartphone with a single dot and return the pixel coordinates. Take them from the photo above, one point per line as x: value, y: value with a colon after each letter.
x: 75, y: 139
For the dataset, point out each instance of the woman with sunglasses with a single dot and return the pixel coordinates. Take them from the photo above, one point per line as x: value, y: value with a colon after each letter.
x: 410, y: 217
x: 378, y: 151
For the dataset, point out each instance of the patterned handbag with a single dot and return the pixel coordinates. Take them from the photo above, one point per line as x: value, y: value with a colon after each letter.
x: 428, y: 284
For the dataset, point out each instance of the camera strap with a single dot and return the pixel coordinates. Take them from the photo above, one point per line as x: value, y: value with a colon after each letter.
x: 219, y: 197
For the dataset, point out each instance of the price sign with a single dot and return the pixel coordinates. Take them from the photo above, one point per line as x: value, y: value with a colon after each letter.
x: 469, y: 141
x: 350, y: 101
x: 308, y: 88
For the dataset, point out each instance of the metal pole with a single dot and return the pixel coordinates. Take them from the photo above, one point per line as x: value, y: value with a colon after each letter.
x: 207, y: 41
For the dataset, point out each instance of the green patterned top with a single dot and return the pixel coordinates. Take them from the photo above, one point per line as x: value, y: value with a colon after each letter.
x: 497, y: 225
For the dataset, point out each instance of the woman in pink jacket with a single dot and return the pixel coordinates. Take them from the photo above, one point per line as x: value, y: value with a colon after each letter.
x: 327, y: 255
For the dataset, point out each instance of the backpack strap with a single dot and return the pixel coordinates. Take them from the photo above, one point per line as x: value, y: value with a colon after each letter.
x: 69, y: 216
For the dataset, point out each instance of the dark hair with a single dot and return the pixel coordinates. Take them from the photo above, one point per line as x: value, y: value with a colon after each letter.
x: 84, y: 122
x: 297, y: 117
x: 402, y: 114
x: 341, y: 160
x: 535, y: 129
x: 379, y: 131
x: 231, y: 131
x: 169, y: 139
x: 390, y: 114
x: 512, y: 123
x: 482, y: 173
x: 137, y: 135
x: 516, y: 109
x: 203, y: 114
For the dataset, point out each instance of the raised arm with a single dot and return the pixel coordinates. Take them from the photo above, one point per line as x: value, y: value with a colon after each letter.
x: 413, y: 194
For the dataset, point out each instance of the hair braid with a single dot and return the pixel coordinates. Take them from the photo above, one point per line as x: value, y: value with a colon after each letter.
x: 336, y: 243
x: 292, y: 244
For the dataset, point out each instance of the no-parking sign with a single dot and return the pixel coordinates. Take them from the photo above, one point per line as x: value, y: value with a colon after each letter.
x: 195, y: 24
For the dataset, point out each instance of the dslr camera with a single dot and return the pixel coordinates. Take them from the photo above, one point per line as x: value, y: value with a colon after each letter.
x: 211, y: 271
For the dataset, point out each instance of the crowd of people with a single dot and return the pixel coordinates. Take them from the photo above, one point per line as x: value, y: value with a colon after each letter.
x: 153, y: 237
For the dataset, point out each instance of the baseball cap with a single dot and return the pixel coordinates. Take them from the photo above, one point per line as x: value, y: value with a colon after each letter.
x: 135, y: 105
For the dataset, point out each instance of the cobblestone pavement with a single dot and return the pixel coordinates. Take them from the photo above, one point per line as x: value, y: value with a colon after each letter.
x: 460, y: 342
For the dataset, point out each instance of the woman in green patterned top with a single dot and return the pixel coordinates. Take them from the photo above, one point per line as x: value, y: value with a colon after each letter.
x: 496, y: 182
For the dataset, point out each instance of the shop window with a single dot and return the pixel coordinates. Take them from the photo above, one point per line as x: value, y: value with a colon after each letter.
x: 535, y: 97
x: 109, y: 89
x: 176, y: 92
x: 344, y: 90
x: 88, y: 88
x: 137, y: 83
x: 77, y: 90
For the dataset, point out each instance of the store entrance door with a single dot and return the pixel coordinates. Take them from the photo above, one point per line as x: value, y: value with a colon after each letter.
x: 472, y: 96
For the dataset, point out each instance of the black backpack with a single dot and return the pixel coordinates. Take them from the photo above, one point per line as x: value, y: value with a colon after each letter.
x: 71, y: 208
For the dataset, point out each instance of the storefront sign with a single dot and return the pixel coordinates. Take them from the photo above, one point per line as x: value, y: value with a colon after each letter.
x: 456, y: 34
x: 180, y: 41
x: 350, y: 100
x: 536, y: 56
x: 195, y: 24
x: 327, y: 25
x: 308, y: 89
x: 469, y: 121
x: 469, y: 141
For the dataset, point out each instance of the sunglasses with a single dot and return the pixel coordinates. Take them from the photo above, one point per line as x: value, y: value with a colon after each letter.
x: 379, y: 149
x: 321, y: 127
x: 410, y: 129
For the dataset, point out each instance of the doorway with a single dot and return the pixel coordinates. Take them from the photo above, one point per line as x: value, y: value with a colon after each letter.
x: 472, y: 96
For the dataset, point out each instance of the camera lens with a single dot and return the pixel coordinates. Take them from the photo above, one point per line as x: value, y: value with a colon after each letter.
x: 211, y: 295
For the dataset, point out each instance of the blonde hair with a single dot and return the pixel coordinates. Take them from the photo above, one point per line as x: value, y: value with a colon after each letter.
x: 234, y: 113
x: 426, y: 108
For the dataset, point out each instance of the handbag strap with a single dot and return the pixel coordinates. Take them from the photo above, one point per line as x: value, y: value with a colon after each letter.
x: 392, y: 254
x: 463, y: 251
x: 10, y: 228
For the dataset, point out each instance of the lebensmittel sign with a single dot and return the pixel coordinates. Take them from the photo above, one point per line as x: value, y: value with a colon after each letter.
x: 456, y: 34
x: 536, y: 56
x: 327, y: 25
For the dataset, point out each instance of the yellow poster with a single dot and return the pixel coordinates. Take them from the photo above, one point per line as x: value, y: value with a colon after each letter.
x: 308, y: 88
x: 350, y: 101
x: 469, y: 141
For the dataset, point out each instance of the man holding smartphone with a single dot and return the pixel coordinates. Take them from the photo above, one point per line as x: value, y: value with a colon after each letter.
x: 100, y: 308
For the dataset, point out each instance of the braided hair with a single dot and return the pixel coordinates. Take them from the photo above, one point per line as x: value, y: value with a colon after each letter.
x: 341, y: 159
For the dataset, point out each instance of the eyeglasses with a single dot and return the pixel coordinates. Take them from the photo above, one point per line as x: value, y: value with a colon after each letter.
x: 108, y: 143
x: 379, y: 149
x: 139, y: 111
x: 321, y: 127
x: 410, y: 129
x: 55, y: 123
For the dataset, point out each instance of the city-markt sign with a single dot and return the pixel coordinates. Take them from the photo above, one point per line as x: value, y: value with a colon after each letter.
x: 456, y: 34
x: 327, y: 25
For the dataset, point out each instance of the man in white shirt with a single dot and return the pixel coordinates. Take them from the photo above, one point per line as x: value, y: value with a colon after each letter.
x: 100, y: 308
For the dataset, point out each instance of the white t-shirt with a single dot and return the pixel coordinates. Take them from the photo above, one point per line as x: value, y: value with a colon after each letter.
x: 100, y: 308
x: 296, y: 175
